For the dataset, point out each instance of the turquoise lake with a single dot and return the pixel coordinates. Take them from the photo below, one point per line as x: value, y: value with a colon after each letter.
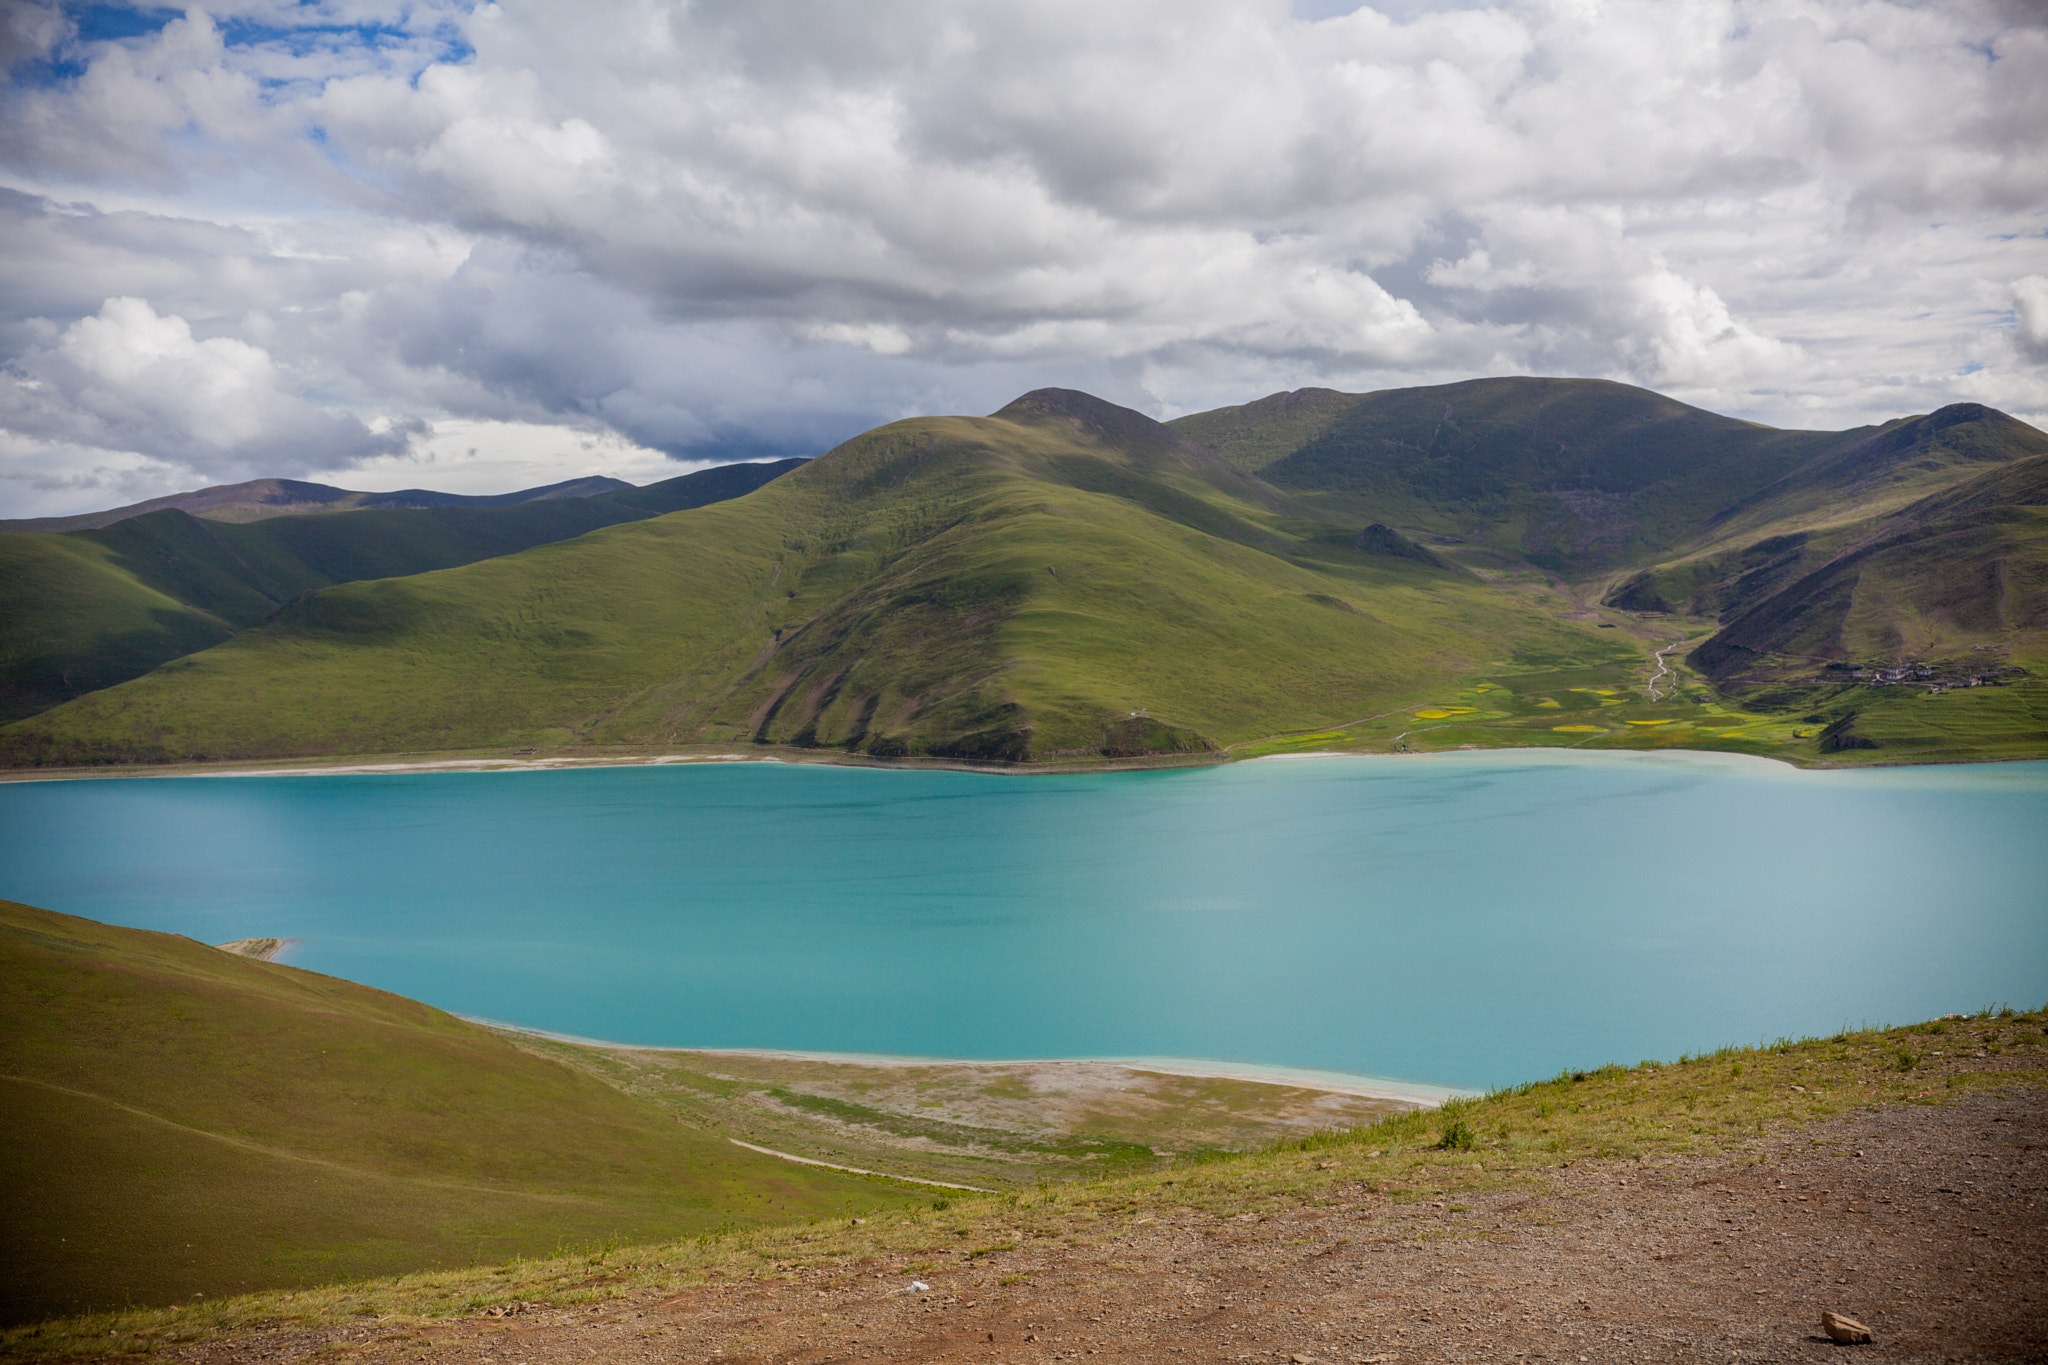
x: 1469, y: 920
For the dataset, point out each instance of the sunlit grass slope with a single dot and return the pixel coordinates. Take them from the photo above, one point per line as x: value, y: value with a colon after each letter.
x: 989, y: 588
x: 84, y: 610
x: 182, y: 1122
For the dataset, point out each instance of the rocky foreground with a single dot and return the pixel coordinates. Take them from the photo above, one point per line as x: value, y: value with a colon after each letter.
x: 1928, y: 1223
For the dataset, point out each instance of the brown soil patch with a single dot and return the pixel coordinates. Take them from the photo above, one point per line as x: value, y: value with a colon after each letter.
x: 1925, y: 1222
x: 262, y: 949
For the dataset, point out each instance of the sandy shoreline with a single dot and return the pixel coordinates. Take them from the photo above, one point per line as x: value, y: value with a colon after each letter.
x: 1331, y: 1082
x: 374, y: 767
x: 348, y: 768
x: 1752, y: 763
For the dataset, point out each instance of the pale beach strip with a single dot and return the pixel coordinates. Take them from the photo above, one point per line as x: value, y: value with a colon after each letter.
x: 1723, y: 759
x: 1417, y: 1093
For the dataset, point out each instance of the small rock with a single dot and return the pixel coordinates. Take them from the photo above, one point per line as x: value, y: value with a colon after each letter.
x: 1840, y: 1328
x: 1299, y: 1358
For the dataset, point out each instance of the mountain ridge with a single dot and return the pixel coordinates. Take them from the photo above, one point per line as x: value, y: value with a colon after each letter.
x: 1578, y: 476
x: 82, y: 610
x: 1067, y: 580
x: 959, y: 587
x: 260, y: 499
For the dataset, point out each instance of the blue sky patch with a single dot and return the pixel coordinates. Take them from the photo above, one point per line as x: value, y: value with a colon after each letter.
x: 304, y: 40
x: 111, y: 23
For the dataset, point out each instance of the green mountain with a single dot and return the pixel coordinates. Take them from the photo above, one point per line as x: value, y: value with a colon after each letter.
x: 1062, y: 578
x: 1814, y: 563
x: 83, y: 610
x: 1067, y: 580
x: 1960, y: 570
x: 1582, y: 476
x: 182, y: 1121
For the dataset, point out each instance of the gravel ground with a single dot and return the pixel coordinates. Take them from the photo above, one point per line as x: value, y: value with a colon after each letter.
x: 1924, y: 1222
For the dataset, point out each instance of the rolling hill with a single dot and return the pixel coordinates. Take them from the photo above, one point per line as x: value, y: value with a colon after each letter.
x: 1067, y: 580
x: 1061, y: 578
x: 184, y: 1122
x: 1959, y: 570
x: 82, y: 610
x: 1585, y: 476
x: 1811, y: 562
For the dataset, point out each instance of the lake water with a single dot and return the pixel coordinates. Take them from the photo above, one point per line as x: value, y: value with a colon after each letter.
x: 1468, y: 920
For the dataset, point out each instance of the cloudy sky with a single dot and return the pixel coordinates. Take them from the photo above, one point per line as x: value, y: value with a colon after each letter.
x: 390, y: 243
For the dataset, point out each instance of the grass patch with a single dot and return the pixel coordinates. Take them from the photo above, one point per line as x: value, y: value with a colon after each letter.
x: 184, y: 1121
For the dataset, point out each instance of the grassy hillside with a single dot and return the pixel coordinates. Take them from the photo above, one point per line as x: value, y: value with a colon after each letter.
x: 72, y: 621
x: 1775, y: 555
x: 1815, y: 627
x: 1966, y: 567
x: 84, y: 610
x: 184, y: 1122
x: 996, y: 588
x: 1583, y: 476
x: 1253, y: 436
x: 1572, y: 474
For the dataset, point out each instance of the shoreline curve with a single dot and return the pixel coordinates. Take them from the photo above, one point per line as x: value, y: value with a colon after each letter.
x: 372, y: 767
x: 1419, y: 1093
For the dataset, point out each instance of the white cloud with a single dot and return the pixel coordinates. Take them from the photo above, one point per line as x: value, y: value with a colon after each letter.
x: 749, y: 226
x: 458, y: 456
x: 56, y: 478
x: 128, y: 379
x: 29, y: 30
x: 2030, y: 313
x: 879, y: 337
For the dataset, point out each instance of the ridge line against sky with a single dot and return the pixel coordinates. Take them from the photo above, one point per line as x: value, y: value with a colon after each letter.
x: 391, y: 243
